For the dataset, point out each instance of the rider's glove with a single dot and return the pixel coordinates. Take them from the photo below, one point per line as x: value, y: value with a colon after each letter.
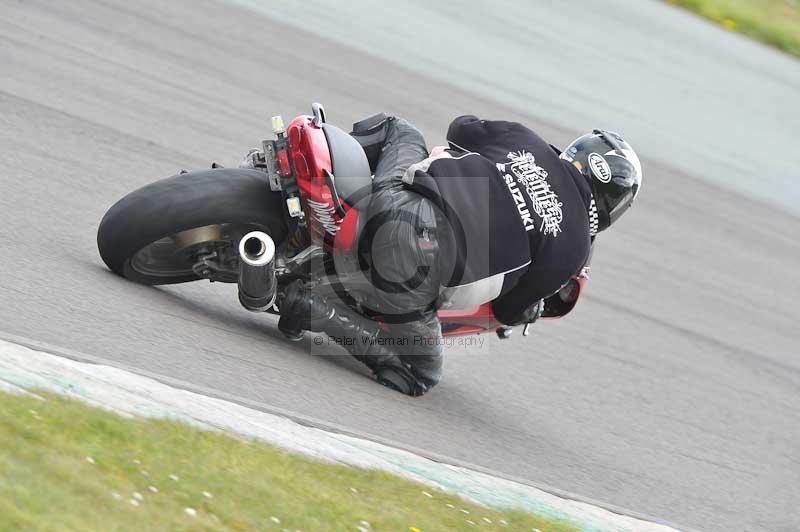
x: 533, y: 313
x: 528, y: 315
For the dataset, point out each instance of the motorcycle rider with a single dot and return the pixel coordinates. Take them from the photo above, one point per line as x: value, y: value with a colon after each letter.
x: 499, y: 216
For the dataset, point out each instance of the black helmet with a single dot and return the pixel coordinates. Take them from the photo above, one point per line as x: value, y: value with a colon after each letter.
x: 613, y: 170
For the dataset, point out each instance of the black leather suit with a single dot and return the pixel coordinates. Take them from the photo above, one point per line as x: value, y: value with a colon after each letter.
x: 499, y: 211
x: 400, y: 245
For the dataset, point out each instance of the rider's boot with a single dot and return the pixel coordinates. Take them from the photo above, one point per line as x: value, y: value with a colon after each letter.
x: 302, y: 309
x: 371, y: 134
x: 392, y: 144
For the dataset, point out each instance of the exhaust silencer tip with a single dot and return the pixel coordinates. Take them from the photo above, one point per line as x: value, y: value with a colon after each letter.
x: 257, y: 285
x: 256, y: 249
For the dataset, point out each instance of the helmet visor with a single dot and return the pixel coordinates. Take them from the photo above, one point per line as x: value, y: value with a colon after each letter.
x: 624, y: 185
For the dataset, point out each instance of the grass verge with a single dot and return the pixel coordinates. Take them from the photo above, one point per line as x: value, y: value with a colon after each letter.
x: 68, y: 466
x: 774, y: 22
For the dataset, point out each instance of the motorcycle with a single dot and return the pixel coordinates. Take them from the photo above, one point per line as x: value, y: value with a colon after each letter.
x: 295, y: 215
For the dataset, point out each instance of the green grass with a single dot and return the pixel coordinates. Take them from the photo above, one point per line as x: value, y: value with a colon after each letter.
x: 774, y: 22
x: 68, y: 466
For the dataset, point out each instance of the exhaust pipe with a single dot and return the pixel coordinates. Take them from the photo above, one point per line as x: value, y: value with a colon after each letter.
x: 257, y: 271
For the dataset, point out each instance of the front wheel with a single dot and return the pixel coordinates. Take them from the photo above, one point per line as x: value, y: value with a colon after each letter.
x: 157, y: 234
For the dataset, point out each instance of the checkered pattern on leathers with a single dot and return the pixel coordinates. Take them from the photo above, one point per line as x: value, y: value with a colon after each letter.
x: 593, y: 219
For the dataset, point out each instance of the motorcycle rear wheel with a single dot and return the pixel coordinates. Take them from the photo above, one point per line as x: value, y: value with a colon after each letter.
x: 140, y: 236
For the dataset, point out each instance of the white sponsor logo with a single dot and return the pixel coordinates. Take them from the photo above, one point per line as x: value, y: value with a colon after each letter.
x: 519, y: 199
x: 600, y: 167
x: 533, y: 178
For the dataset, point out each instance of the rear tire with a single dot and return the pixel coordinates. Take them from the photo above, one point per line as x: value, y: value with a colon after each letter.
x: 187, y: 201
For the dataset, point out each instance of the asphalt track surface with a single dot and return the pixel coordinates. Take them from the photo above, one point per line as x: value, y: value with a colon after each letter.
x: 673, y: 390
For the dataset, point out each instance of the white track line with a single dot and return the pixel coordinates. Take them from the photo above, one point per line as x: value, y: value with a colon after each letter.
x: 132, y: 392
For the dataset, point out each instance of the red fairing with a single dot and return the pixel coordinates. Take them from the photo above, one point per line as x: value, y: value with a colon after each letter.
x: 311, y: 157
x: 345, y: 238
x: 481, y: 318
x: 567, y: 297
x: 468, y: 321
